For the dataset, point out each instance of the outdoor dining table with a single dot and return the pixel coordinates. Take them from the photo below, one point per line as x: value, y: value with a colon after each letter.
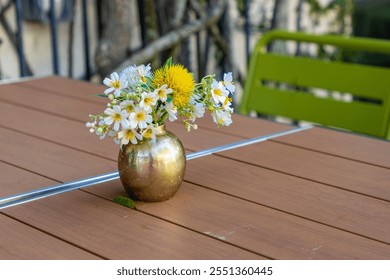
x: 317, y: 193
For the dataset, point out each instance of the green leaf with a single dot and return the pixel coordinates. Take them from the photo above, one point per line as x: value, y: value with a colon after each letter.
x: 125, y: 201
x: 168, y: 63
x: 145, y: 87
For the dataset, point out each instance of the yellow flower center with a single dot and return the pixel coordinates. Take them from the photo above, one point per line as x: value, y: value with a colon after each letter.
x: 232, y: 83
x: 140, y: 116
x: 227, y: 100
x: 217, y: 92
x: 148, y: 100
x: 179, y: 80
x: 129, y: 108
x: 115, y: 84
x: 161, y: 93
x: 117, y: 117
x: 148, y: 133
x: 130, y: 134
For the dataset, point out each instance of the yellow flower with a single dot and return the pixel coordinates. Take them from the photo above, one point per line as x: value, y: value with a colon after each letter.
x: 177, y: 78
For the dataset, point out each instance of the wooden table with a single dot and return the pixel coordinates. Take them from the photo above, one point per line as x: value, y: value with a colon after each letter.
x: 315, y: 194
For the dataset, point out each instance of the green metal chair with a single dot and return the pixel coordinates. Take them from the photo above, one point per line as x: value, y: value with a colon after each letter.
x: 368, y: 112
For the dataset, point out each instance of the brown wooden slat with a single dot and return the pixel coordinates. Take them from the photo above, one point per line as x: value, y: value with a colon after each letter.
x: 15, y: 180
x: 193, y: 197
x: 189, y: 137
x: 246, y: 127
x: 341, y: 209
x: 51, y: 160
x: 48, y: 164
x: 49, y: 167
x: 343, y: 144
x: 21, y: 242
x: 67, y: 227
x: 67, y: 87
x: 339, y: 143
x: 57, y: 129
x: 76, y: 135
x: 63, y: 105
x: 243, y: 126
x: 116, y: 232
x: 336, y: 143
x: 248, y: 225
x: 346, y: 174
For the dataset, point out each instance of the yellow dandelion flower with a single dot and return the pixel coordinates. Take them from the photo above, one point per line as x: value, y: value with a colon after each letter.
x: 177, y: 78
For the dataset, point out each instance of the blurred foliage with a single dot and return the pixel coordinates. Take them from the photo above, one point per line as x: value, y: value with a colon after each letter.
x: 343, y: 8
x: 241, y: 6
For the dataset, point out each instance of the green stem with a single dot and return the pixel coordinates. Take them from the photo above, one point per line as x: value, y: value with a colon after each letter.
x: 162, y: 118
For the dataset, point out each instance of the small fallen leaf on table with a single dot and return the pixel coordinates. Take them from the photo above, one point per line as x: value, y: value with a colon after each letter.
x: 125, y: 201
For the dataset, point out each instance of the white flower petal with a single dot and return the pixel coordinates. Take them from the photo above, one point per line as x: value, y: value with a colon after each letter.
x: 107, y: 91
x: 108, y: 120
x: 116, y: 126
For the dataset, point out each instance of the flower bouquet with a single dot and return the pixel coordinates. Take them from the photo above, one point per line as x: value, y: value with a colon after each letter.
x: 151, y: 160
x: 142, y: 100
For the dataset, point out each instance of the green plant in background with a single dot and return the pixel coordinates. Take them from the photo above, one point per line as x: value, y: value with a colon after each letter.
x: 343, y: 9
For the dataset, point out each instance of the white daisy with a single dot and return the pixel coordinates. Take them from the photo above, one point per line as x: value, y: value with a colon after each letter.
x: 128, y: 106
x: 172, y: 111
x: 148, y: 100
x: 116, y: 116
x: 162, y: 92
x: 222, y: 117
x: 140, y: 118
x: 130, y: 73
x: 135, y: 74
x: 129, y: 135
x: 116, y: 83
x: 227, y: 105
x: 199, y: 110
x: 144, y: 72
x: 149, y: 132
x: 218, y: 92
x: 228, y: 82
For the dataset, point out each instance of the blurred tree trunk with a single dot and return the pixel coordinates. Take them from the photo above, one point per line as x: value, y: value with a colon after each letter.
x: 171, y: 14
x: 116, y: 26
x: 167, y: 29
x: 176, y: 36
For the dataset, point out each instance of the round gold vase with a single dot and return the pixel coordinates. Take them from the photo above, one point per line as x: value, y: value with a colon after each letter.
x: 152, y: 170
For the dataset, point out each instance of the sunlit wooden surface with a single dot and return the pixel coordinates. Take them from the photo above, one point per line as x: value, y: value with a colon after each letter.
x: 316, y: 194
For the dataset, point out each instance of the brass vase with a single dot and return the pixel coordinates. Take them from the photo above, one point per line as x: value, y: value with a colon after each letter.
x: 152, y: 170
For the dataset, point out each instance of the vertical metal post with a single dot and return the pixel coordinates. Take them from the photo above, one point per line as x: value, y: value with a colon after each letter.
x: 86, y: 39
x: 54, y: 37
x: 247, y: 30
x: 207, y: 44
x: 142, y: 19
x: 223, y: 31
x: 19, y: 38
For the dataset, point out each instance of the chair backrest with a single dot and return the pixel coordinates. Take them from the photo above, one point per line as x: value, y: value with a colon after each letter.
x: 282, y: 85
